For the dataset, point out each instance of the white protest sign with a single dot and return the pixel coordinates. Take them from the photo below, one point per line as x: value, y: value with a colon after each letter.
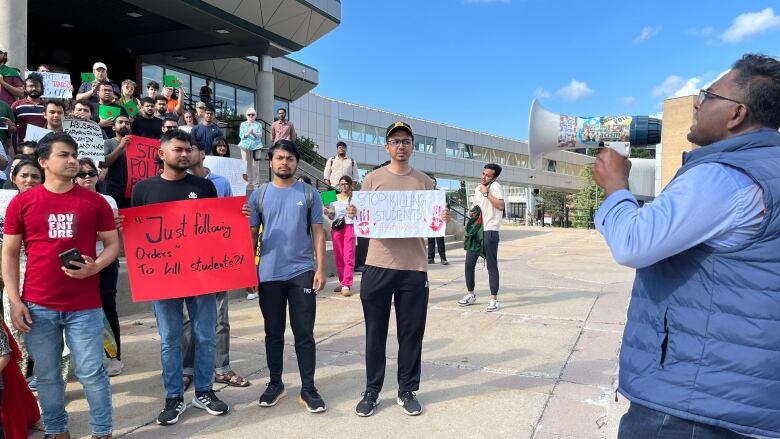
x: 5, y: 198
x: 35, y: 133
x: 55, y: 85
x: 232, y: 169
x: 89, y: 136
x: 399, y: 214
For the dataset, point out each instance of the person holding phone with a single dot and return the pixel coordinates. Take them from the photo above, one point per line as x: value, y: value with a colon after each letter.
x: 49, y: 220
x: 490, y: 198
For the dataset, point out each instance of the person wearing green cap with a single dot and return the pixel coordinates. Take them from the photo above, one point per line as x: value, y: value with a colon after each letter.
x: 11, y: 86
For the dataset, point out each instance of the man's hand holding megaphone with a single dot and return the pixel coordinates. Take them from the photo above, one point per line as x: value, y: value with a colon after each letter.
x: 610, y: 171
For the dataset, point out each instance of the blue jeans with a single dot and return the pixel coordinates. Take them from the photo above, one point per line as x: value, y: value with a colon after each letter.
x: 641, y: 422
x: 84, y: 335
x: 170, y: 324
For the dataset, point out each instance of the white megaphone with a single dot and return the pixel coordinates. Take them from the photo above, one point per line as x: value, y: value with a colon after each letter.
x: 548, y: 132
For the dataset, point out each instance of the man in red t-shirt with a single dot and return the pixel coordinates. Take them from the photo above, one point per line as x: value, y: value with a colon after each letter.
x: 49, y: 220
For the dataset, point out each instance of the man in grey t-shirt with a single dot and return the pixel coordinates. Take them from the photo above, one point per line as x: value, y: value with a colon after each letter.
x: 287, y: 271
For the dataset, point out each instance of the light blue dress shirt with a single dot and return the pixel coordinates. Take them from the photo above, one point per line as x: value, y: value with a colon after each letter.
x: 712, y: 203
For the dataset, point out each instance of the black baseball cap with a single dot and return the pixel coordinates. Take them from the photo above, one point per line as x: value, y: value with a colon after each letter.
x: 398, y: 126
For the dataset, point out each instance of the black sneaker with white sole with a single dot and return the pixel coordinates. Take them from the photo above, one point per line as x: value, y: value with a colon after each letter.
x: 367, y: 405
x: 173, y: 408
x: 207, y: 400
x: 408, y: 400
x: 273, y: 393
x: 312, y: 401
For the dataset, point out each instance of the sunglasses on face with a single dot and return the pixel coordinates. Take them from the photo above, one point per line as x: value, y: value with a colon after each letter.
x: 86, y: 174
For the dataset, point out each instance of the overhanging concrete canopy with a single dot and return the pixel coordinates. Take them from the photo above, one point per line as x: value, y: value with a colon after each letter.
x: 291, y: 78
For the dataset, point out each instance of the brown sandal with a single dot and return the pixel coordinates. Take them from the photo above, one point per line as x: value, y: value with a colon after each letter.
x: 186, y: 381
x: 231, y: 379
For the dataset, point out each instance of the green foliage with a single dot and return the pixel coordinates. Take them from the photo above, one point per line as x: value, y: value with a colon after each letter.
x: 642, y: 153
x: 554, y: 204
x: 587, y: 200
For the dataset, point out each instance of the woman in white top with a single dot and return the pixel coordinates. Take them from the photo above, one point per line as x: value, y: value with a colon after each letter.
x: 87, y: 178
x: 25, y: 175
x: 189, y: 121
x: 343, y: 236
x: 250, y: 135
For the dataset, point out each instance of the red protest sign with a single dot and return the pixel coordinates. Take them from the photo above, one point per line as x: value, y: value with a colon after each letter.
x: 187, y: 248
x: 140, y: 154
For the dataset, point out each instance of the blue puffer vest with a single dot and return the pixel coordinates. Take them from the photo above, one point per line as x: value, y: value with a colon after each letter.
x: 702, y: 340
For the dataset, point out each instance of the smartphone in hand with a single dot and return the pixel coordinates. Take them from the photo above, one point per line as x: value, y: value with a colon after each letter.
x: 69, y: 256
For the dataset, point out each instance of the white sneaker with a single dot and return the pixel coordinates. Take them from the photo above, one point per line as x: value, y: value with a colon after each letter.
x: 114, y: 367
x: 468, y: 299
x: 493, y: 305
x: 252, y: 296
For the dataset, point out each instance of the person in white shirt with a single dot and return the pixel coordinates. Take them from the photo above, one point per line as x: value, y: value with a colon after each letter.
x: 490, y: 199
x: 340, y: 165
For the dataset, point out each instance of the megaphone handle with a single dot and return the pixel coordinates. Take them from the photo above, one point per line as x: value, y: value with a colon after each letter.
x: 622, y: 148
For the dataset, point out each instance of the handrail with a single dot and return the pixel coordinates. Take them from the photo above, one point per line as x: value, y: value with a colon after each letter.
x: 457, y: 208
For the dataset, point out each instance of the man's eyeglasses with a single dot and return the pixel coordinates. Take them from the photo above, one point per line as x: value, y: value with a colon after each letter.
x: 251, y: 114
x: 91, y: 174
x: 704, y: 94
x: 398, y: 142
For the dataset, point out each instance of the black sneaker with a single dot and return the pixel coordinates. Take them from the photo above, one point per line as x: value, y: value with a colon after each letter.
x: 173, y: 408
x: 208, y: 401
x: 408, y: 400
x: 366, y: 406
x: 444, y: 262
x: 431, y: 261
x: 273, y: 393
x: 312, y: 401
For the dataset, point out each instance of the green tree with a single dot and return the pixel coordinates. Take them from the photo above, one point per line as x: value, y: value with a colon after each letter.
x: 554, y: 204
x: 642, y: 153
x: 587, y: 200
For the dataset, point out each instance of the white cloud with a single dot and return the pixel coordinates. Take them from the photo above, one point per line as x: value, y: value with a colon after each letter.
x: 751, y: 23
x: 541, y: 93
x: 575, y: 91
x: 647, y: 33
x: 667, y: 88
x: 627, y: 100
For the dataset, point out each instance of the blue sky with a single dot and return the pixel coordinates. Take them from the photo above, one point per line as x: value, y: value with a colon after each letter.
x: 478, y: 64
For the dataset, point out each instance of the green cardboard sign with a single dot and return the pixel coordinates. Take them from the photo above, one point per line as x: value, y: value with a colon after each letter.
x: 171, y: 81
x: 131, y: 108
x: 328, y: 197
x: 87, y: 77
x: 109, y: 112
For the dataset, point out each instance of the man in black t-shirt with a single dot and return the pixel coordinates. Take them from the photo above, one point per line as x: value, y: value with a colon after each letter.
x: 175, y: 184
x: 114, y: 149
x: 145, y: 124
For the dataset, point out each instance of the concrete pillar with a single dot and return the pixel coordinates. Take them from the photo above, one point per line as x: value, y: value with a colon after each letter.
x: 530, y: 204
x: 264, y: 96
x: 13, y: 32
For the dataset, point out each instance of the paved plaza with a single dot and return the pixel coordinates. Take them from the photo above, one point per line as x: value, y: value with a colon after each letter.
x: 543, y: 367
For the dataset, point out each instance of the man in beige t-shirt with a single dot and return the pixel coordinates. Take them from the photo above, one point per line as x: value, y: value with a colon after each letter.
x: 490, y: 199
x: 396, y: 271
x: 339, y: 166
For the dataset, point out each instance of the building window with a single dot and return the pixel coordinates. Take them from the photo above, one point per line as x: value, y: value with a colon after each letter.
x: 225, y: 100
x: 345, y: 127
x: 551, y: 165
x: 425, y: 144
x: 358, y: 132
x: 244, y: 100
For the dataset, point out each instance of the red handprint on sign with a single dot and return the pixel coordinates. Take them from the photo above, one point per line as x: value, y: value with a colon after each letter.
x: 436, y: 220
x: 364, y: 222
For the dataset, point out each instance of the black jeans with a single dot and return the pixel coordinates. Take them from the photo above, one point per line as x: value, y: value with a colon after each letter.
x: 432, y: 244
x: 490, y: 244
x: 409, y: 291
x: 361, y: 252
x: 274, y: 297
x: 108, y: 279
x: 641, y: 422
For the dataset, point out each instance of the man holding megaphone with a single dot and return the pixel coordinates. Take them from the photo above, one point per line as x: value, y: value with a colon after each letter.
x: 701, y: 345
